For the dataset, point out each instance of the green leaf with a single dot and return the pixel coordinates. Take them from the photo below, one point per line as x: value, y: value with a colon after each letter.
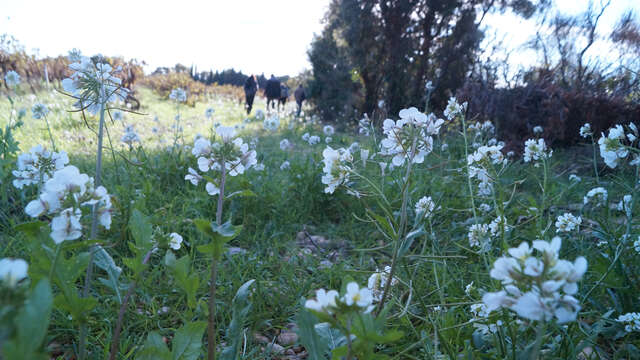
x: 33, y: 319
x: 244, y: 193
x: 204, y: 226
x: 315, y: 344
x: 188, y: 341
x: 31, y: 228
x: 240, y: 310
x: 104, y: 261
x: 154, y: 348
x: 141, y: 229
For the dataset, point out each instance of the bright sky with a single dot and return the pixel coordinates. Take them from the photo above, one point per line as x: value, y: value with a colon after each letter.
x: 255, y: 36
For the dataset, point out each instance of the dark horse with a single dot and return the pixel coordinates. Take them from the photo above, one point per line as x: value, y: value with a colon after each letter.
x: 250, y: 90
x: 272, y: 91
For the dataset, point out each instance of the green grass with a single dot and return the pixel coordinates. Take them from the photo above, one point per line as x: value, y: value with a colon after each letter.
x: 285, y: 202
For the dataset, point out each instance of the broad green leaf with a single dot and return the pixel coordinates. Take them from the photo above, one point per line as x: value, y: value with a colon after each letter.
x: 33, y: 319
x: 188, y: 341
x: 31, y: 228
x: 240, y: 310
x: 315, y: 344
x: 104, y: 261
x: 154, y: 348
x: 141, y: 229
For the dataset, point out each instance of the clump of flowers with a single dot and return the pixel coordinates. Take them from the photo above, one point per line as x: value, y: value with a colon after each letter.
x: 313, y: 140
x: 337, y: 166
x: 285, y: 165
x: 479, y: 163
x: 12, y: 78
x: 12, y: 271
x: 567, y: 222
x: 537, y: 287
x: 535, y: 150
x: 175, y: 241
x: 62, y: 198
x: 272, y: 123
x: 37, y: 166
x: 479, y: 237
x: 328, y: 130
x: 538, y: 130
x: 410, y: 138
x: 178, y: 94
x: 614, y: 147
x: 425, y: 206
x: 284, y: 144
x: 329, y: 301
x: 454, y: 109
x: 93, y: 84
x: 232, y: 153
x: 364, y: 125
x: 39, y: 110
x: 130, y: 136
x: 596, y: 196
x: 377, y: 282
x: 631, y: 321
x: 585, y: 130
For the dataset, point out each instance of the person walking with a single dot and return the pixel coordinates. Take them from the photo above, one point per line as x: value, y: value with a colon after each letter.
x: 250, y: 90
x: 300, y: 96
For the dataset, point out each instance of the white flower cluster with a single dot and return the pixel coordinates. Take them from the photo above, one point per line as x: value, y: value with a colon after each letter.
x: 175, y: 241
x: 12, y: 78
x: 36, y: 166
x: 209, y: 113
x: 285, y: 144
x: 425, y: 206
x: 328, y: 130
x: 410, y: 138
x: 12, y: 271
x: 482, y: 127
x: 178, y: 94
x: 625, y: 205
x: 62, y: 197
x: 272, y: 123
x: 631, y: 321
x: 364, y: 125
x: 336, y: 168
x: 585, y: 130
x: 636, y: 245
x: 479, y: 162
x: 454, y: 109
x: 479, y: 237
x: 537, y: 288
x: 480, y: 312
x: 613, y: 148
x: 567, y: 222
x: 536, y: 150
x: 596, y: 196
x: 39, y: 110
x: 130, y: 136
x: 286, y: 165
x: 538, y: 130
x: 236, y: 154
x: 327, y: 301
x: 377, y: 282
x: 93, y: 85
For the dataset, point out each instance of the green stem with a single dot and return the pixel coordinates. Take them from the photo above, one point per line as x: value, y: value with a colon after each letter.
x: 595, y: 161
x: 535, y: 353
x: 211, y: 331
x: 82, y: 346
x: 53, y: 144
x: 401, y: 227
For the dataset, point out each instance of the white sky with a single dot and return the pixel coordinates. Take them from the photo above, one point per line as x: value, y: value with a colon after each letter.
x: 255, y: 36
x: 270, y: 36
